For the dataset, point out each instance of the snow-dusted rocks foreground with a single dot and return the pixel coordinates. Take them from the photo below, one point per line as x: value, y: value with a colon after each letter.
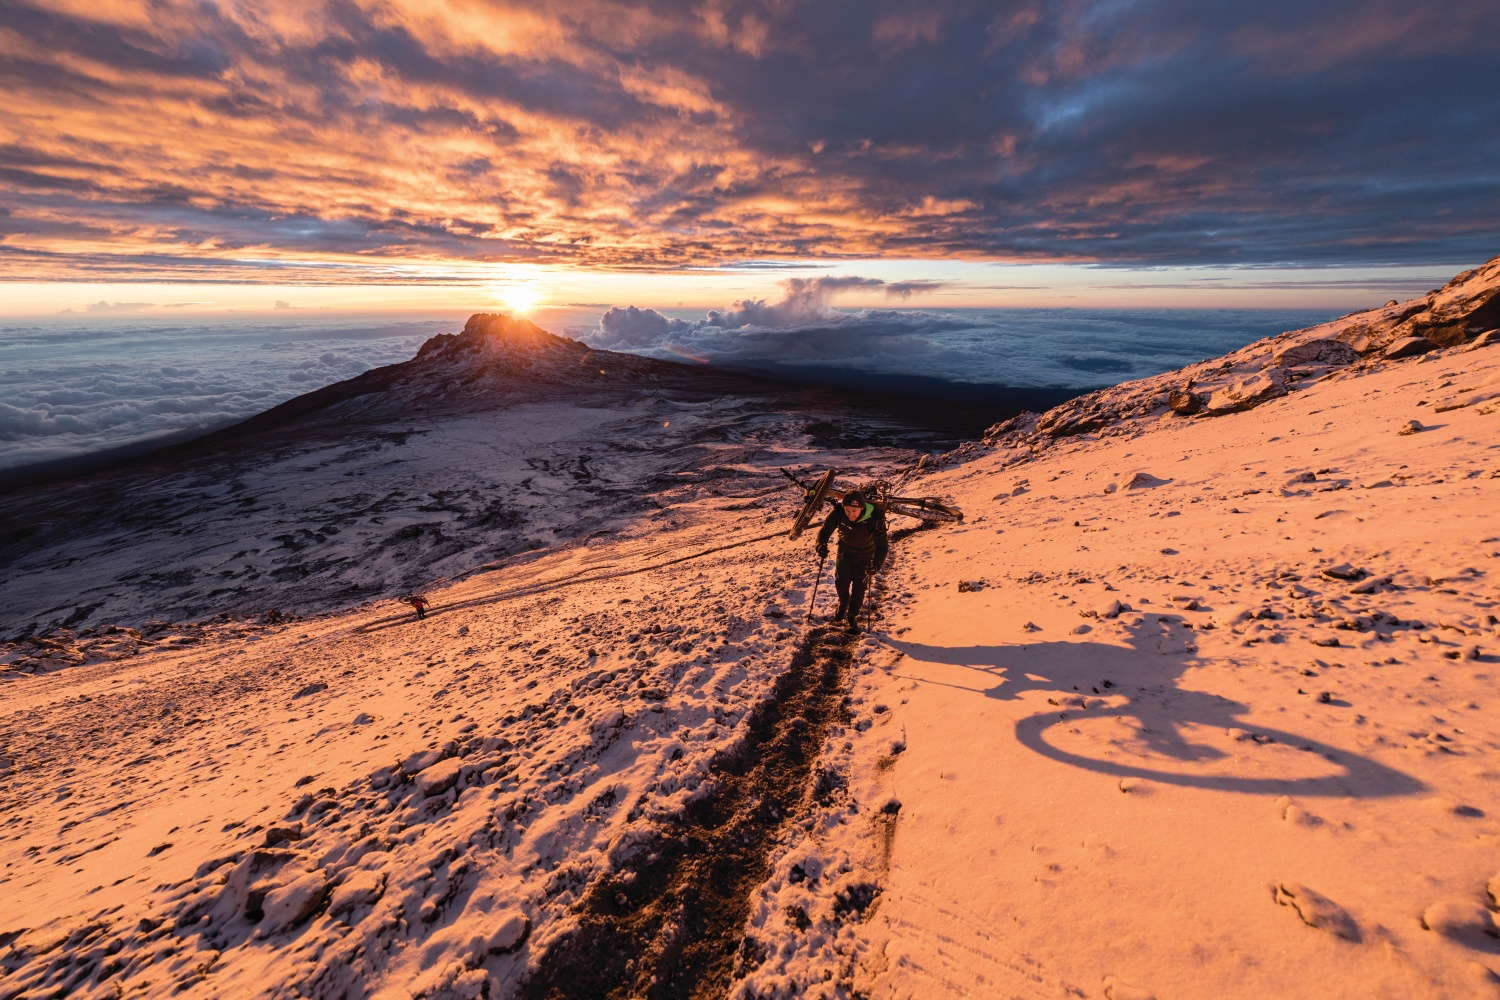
x: 1189, y: 706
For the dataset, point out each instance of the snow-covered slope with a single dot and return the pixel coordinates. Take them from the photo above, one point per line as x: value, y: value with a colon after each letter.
x: 1215, y: 715
x: 1188, y: 706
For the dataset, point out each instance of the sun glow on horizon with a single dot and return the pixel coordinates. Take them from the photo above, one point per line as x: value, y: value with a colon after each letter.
x: 521, y: 298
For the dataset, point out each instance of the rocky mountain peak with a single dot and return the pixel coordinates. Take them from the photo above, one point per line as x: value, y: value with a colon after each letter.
x: 495, y: 336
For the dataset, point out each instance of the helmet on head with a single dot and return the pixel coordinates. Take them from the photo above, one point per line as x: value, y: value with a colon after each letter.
x: 854, y: 497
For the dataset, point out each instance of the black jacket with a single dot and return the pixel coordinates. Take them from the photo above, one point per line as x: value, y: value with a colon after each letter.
x: 862, y: 541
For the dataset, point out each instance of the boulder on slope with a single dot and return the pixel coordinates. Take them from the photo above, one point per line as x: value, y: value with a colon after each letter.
x: 289, y: 905
x: 1323, y: 351
x: 440, y: 777
x: 1409, y: 347
x: 1248, y: 393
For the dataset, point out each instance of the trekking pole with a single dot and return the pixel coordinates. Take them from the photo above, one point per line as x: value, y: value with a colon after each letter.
x: 816, y: 580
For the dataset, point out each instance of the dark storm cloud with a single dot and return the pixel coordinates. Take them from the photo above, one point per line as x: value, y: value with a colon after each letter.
x: 685, y: 135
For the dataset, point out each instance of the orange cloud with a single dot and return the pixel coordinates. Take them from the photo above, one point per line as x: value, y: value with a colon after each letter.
x: 422, y: 139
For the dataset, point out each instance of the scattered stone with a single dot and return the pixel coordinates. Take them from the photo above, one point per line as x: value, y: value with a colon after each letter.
x: 1316, y: 352
x: 1302, y: 477
x: 1325, y: 697
x: 420, y: 761
x: 1184, y: 402
x: 1326, y: 642
x: 281, y: 834
x: 1115, y: 989
x: 1134, y: 481
x: 970, y: 586
x: 440, y: 777
x: 1493, y: 888
x: 1409, y: 347
x: 312, y: 688
x: 1110, y: 610
x: 362, y: 888
x: 1082, y: 629
x: 363, y: 719
x: 1344, y: 571
x: 1317, y: 910
x: 1248, y: 393
x: 1411, y: 427
x: 1031, y: 627
x: 1231, y: 614
x: 1462, y: 921
x: 289, y: 905
x: 511, y: 930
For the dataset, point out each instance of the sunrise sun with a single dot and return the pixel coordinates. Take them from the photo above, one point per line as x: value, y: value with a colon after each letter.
x: 520, y: 298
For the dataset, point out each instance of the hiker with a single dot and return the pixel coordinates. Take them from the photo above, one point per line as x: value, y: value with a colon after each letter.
x: 862, y: 548
x: 418, y: 602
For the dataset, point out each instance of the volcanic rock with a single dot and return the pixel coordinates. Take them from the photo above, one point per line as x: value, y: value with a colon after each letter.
x: 1409, y: 347
x: 440, y: 777
x: 1249, y: 393
x: 1324, y: 351
x: 289, y: 905
x: 1185, y: 402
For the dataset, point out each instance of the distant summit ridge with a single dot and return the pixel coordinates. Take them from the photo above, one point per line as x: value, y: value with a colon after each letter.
x: 497, y: 335
x: 1463, y: 315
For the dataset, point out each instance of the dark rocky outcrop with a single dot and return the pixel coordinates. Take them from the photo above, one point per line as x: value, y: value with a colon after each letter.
x: 1463, y: 314
x: 1184, y: 402
x: 1409, y: 347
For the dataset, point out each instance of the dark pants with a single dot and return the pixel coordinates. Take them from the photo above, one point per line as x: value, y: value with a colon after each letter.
x: 421, y: 612
x: 849, y: 579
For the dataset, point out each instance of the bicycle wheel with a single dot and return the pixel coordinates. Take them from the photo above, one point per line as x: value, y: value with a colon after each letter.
x: 925, y: 509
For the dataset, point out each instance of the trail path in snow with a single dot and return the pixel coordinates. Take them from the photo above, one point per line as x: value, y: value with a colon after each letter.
x: 422, y: 807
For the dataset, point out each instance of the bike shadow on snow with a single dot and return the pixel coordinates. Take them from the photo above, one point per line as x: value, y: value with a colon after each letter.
x: 1148, y: 671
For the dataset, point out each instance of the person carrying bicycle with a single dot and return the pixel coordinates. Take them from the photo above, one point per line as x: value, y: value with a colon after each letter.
x: 862, y: 550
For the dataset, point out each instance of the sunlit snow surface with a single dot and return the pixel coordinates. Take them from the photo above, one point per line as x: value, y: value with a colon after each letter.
x: 77, y: 388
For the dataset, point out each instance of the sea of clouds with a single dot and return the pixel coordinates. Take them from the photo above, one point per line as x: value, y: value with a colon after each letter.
x: 1010, y: 347
x: 69, y: 389
x: 73, y: 388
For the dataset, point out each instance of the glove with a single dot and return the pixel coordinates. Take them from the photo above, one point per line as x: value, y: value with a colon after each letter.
x: 822, y: 550
x: 876, y: 568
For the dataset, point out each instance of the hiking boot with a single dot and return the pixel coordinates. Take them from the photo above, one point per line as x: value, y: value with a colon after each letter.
x: 852, y: 627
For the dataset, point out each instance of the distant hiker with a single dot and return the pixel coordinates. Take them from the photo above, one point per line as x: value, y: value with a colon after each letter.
x: 862, y: 548
x: 418, y: 602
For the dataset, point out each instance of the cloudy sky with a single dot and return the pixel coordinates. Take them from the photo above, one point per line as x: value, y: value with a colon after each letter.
x: 573, y: 145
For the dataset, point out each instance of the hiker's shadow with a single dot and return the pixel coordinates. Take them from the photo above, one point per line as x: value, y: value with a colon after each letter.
x: 1139, y: 686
